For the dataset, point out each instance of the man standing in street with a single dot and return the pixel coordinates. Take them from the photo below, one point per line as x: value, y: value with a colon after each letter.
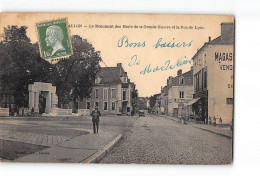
x: 95, y: 119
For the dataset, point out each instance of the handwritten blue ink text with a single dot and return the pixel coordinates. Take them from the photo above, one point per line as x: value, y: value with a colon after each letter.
x: 134, y: 61
x: 167, y: 66
x: 123, y: 42
x: 171, y: 44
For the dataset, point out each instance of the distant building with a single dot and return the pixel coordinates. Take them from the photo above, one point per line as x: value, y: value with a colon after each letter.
x: 134, y: 98
x: 7, y: 101
x: 213, y: 77
x: 6, y: 98
x: 180, y: 93
x: 111, y: 93
x: 164, y: 100
x: 142, y: 103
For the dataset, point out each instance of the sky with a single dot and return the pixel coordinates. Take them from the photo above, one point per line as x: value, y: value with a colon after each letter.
x: 109, y: 40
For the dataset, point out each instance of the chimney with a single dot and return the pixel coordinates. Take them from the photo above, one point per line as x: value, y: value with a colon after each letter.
x: 209, y: 38
x: 227, y: 31
x: 119, y: 65
x: 179, y: 72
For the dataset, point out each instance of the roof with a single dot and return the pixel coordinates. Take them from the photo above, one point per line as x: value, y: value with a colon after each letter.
x: 142, y: 99
x: 110, y: 75
x: 227, y: 38
x: 187, y: 74
x: 187, y: 77
x: 164, y: 89
x: 216, y: 41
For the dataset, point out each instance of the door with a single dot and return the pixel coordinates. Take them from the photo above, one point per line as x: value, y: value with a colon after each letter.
x: 175, y: 112
x: 42, y: 104
x: 124, y: 108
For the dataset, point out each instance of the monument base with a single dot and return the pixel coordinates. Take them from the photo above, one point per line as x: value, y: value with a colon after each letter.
x: 4, y: 112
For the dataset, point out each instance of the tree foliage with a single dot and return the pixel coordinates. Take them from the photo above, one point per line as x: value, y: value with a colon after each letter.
x: 152, y: 101
x: 75, y: 76
x: 21, y: 65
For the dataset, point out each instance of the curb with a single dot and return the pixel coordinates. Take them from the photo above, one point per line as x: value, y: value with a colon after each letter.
x: 208, y: 130
x: 212, y: 131
x: 102, y: 152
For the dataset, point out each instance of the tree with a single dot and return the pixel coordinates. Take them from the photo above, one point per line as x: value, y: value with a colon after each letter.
x: 75, y: 76
x: 152, y: 101
x: 21, y: 64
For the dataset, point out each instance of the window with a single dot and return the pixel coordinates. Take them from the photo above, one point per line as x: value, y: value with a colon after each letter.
x: 96, y: 93
x: 229, y: 101
x: 125, y: 79
x: 88, y: 105
x: 181, y: 94
x: 113, y: 93
x: 113, y: 106
x: 205, y: 79
x: 124, y: 95
x: 96, y: 104
x: 105, y: 106
x: 105, y: 93
x: 181, y: 82
x: 197, y: 80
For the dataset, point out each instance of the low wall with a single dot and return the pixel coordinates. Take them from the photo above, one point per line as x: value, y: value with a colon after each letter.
x: 61, y: 112
x: 83, y: 112
x: 4, y: 112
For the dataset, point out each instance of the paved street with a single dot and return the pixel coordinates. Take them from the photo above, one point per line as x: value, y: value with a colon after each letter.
x: 21, y: 136
x: 160, y: 140
x: 150, y: 139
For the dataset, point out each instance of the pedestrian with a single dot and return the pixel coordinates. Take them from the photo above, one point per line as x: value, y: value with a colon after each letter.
x: 95, y: 119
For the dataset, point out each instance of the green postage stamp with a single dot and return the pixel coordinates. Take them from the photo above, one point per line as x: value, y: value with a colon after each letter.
x: 54, y: 40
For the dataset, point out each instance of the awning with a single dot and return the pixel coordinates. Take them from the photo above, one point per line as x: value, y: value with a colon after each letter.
x: 192, y: 101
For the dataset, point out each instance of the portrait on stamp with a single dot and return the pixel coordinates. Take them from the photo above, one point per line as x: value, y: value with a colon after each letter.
x: 54, y: 39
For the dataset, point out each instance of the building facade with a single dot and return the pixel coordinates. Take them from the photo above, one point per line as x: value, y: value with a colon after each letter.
x: 111, y: 93
x: 213, y: 78
x: 180, y: 93
x: 164, y: 100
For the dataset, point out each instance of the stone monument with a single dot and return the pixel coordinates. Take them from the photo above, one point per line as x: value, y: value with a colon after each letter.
x: 51, y: 97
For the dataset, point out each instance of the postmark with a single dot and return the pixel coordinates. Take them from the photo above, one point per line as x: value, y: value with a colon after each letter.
x: 54, y: 40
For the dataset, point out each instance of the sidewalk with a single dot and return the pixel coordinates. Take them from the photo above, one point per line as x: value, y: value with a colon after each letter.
x: 225, y: 132
x: 87, y: 148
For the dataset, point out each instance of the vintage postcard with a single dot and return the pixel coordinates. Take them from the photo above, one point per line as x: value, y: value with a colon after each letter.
x: 116, y: 88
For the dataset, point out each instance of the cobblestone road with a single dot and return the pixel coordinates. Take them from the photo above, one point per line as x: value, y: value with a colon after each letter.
x: 162, y: 141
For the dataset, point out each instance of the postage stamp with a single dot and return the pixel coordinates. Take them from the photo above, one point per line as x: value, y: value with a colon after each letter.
x: 54, y: 39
